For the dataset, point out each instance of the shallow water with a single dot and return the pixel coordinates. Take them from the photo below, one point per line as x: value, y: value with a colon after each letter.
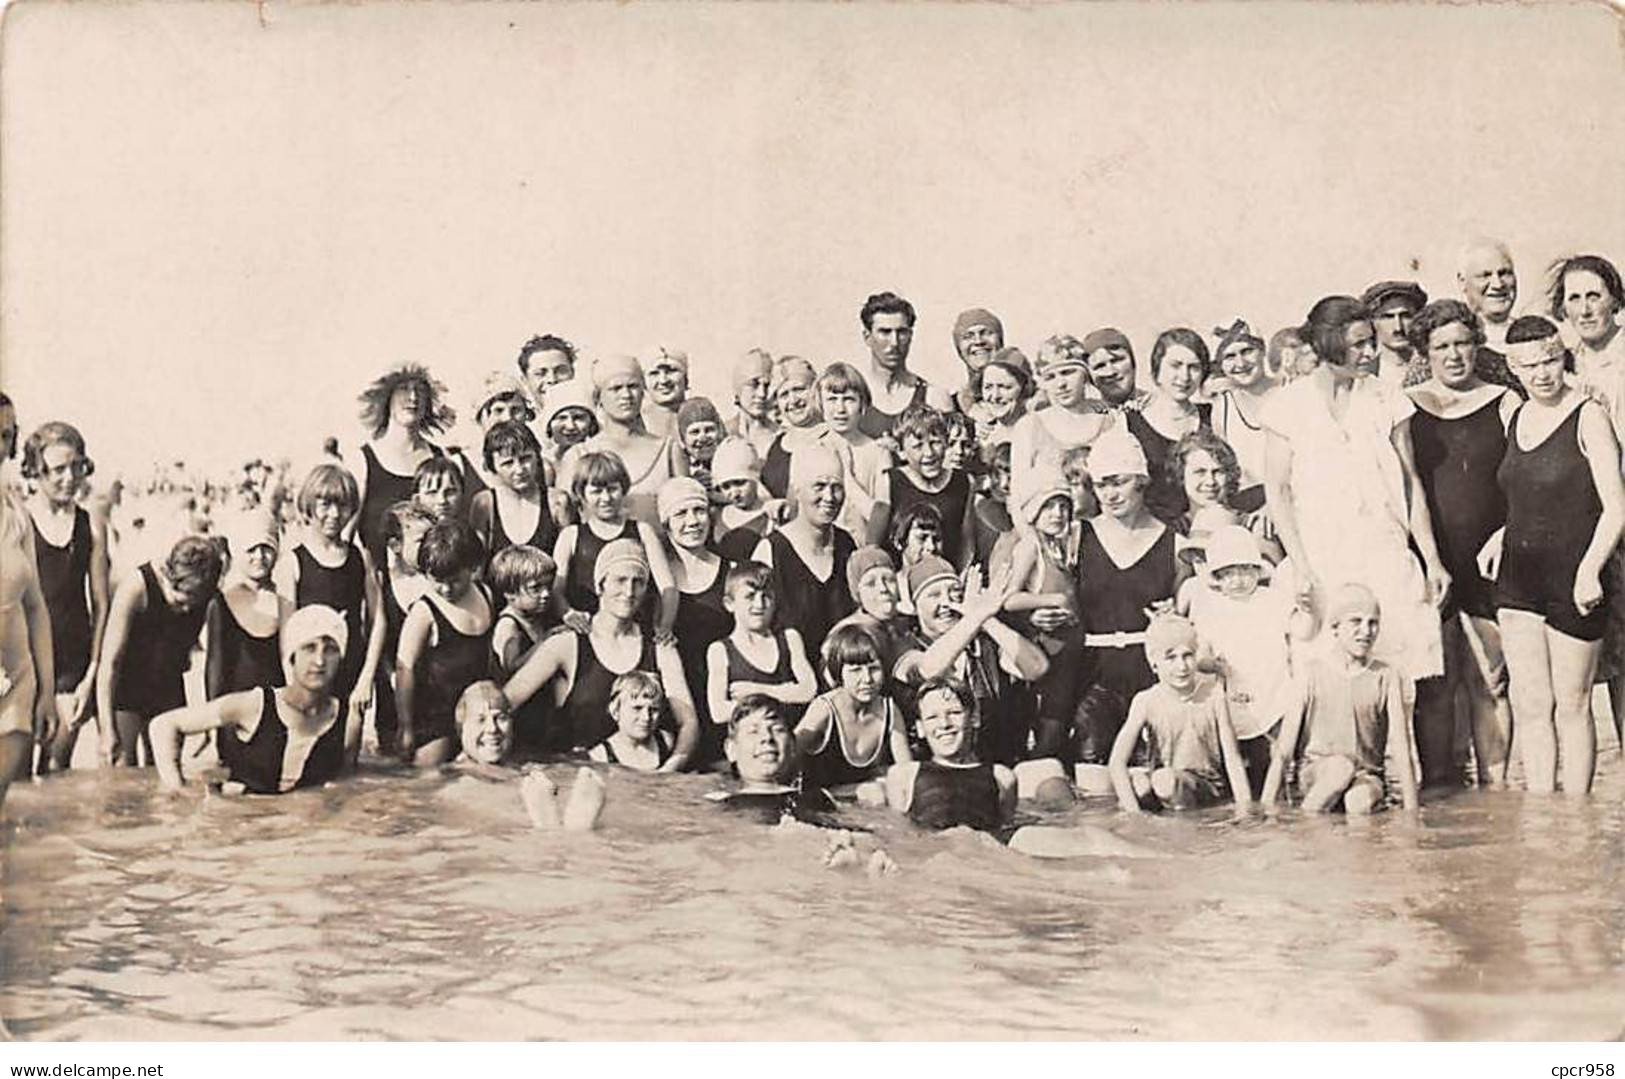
x: 423, y: 907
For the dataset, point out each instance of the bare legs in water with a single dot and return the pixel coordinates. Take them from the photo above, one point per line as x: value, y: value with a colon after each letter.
x: 580, y: 811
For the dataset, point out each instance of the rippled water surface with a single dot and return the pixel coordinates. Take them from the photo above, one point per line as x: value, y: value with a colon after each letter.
x: 423, y: 907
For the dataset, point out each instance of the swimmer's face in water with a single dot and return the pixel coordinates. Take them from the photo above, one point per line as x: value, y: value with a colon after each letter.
x: 949, y: 728
x: 762, y: 748
x: 486, y: 731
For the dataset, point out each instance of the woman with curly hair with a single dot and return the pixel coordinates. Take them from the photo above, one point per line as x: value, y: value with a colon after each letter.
x: 70, y: 552
x: 398, y: 411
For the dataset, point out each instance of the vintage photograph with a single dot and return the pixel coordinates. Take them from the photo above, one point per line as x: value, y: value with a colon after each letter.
x: 803, y: 521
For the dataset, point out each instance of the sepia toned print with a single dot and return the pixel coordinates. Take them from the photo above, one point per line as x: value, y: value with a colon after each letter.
x: 861, y: 522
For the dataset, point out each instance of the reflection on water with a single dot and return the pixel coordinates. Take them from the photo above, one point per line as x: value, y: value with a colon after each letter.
x: 421, y: 907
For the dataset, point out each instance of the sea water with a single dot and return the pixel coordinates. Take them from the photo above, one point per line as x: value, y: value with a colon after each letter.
x: 401, y: 906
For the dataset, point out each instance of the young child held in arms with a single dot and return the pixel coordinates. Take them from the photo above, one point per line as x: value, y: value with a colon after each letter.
x: 636, y: 703
x: 854, y: 733
x: 1194, y: 760
x: 1347, y: 711
x: 755, y: 659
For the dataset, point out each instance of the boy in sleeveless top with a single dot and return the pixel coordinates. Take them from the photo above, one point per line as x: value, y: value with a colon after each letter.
x: 924, y: 477
x: 1185, y: 719
x: 755, y: 659
x: 1349, y: 713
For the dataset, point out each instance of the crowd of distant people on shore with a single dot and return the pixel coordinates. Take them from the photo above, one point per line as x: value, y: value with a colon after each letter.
x: 1345, y: 563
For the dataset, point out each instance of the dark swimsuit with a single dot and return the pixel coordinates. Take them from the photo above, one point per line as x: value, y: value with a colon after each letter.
x: 384, y: 489
x: 809, y: 805
x: 949, y: 797
x: 343, y: 588
x: 701, y: 622
x: 1457, y: 460
x: 878, y: 424
x: 160, y: 646
x: 663, y: 746
x: 776, y: 468
x: 240, y: 660
x: 580, y: 590
x: 1552, y: 512
x: 530, y: 718
x: 584, y: 715
x: 257, y: 763
x: 453, y: 663
x: 1114, y: 601
x: 830, y: 765
x: 64, y: 576
x: 949, y: 503
x: 807, y: 602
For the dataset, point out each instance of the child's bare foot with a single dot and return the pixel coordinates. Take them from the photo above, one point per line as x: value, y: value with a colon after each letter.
x: 541, y: 798
x: 586, y: 802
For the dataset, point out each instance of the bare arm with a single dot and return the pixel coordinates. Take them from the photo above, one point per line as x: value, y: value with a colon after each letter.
x: 661, y: 576
x: 1286, y: 745
x: 806, y: 683
x: 900, y: 751
x: 508, y: 644
x: 880, y: 512
x: 414, y: 638
x: 716, y: 682
x: 128, y: 601
x: 167, y: 730
x: 100, y: 596
x: 1241, y: 793
x: 1017, y: 654
x: 38, y: 617
x: 1283, y: 506
x: 1421, y: 522
x: 374, y: 597
x: 1602, y: 453
x: 1122, y: 749
x: 545, y: 662
x: 681, y: 704
x: 564, y: 548
x: 967, y: 531
x: 814, y: 729
x: 480, y: 517
x: 1399, y: 741
x: 214, y: 663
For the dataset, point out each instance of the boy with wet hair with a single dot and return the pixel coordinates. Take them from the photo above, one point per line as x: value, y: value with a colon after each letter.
x: 755, y: 659
x: 921, y: 434
x: 1348, y: 711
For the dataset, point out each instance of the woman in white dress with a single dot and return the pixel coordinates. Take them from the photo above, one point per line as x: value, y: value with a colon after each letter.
x: 1339, y: 468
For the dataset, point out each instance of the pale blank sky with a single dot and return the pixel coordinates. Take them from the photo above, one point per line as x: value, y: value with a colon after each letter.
x: 213, y: 233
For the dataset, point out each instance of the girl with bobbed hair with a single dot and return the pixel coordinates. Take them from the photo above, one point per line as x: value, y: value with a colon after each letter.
x: 70, y: 554
x: 399, y: 411
x: 1339, y: 466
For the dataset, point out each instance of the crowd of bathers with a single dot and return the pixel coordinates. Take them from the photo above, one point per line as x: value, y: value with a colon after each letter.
x: 1367, y: 556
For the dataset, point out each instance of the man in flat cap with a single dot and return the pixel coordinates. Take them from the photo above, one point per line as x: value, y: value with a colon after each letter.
x: 1393, y: 304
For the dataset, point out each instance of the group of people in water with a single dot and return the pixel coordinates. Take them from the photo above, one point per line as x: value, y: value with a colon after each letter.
x: 1292, y: 564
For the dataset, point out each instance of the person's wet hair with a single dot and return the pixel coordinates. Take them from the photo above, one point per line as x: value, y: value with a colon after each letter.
x: 545, y: 342
x: 509, y: 438
x: 437, y: 416
x: 754, y: 574
x: 449, y: 547
x: 919, y: 421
